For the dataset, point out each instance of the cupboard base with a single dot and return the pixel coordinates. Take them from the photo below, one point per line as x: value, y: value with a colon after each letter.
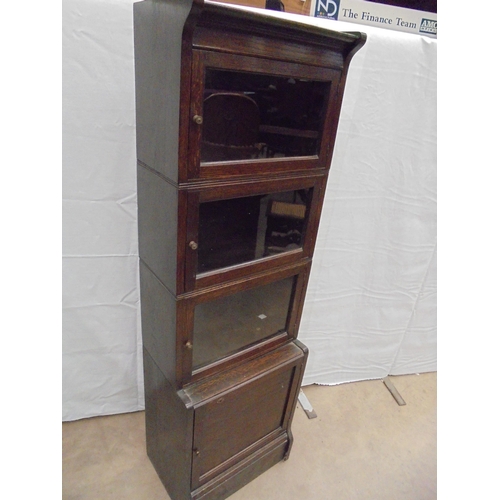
x: 209, y: 439
x: 241, y: 474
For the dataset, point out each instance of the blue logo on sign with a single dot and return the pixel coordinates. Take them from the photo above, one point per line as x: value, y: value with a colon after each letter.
x: 429, y: 26
x: 327, y: 8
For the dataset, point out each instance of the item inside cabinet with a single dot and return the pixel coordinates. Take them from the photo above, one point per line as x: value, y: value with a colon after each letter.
x: 284, y: 226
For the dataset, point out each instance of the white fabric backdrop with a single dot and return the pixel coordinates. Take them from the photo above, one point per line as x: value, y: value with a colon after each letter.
x: 371, y: 304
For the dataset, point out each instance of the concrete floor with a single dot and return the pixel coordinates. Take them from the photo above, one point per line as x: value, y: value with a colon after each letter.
x: 362, y: 446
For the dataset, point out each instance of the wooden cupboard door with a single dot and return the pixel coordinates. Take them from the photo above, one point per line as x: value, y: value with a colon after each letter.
x: 232, y: 426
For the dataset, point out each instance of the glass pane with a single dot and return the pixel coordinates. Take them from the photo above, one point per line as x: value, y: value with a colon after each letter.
x: 241, y: 230
x: 227, y: 324
x: 249, y: 116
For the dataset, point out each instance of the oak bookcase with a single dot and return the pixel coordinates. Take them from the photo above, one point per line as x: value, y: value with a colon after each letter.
x: 236, y: 113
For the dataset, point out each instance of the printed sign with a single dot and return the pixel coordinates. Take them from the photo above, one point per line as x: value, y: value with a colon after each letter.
x: 375, y: 14
x: 429, y: 26
x: 327, y: 8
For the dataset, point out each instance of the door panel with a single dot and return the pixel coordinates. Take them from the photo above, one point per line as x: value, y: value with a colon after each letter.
x: 252, y: 115
x: 230, y: 323
x: 237, y: 230
x: 221, y: 327
x: 232, y: 423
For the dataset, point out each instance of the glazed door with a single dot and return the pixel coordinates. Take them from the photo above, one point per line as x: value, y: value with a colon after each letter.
x: 221, y: 327
x: 240, y: 230
x: 230, y: 323
x: 253, y: 116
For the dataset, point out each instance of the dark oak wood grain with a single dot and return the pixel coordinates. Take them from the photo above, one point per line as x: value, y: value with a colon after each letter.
x: 159, y: 316
x: 157, y: 215
x: 244, y: 471
x: 169, y: 431
x: 158, y: 64
x: 221, y: 387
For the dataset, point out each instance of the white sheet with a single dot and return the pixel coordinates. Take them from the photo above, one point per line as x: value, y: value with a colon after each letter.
x: 371, y: 304
x: 102, y: 364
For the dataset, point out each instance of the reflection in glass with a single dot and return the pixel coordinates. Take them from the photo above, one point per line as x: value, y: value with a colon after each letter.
x: 249, y: 116
x: 227, y: 324
x: 241, y: 230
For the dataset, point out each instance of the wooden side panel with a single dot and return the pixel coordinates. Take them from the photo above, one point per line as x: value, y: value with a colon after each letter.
x: 158, y: 30
x: 169, y: 432
x: 157, y: 220
x: 158, y: 318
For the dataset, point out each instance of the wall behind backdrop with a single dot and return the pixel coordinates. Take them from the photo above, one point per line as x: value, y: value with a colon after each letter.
x: 291, y: 6
x: 370, y: 308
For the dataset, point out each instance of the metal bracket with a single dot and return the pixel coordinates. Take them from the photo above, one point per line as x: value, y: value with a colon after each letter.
x: 395, y: 394
x: 306, y: 406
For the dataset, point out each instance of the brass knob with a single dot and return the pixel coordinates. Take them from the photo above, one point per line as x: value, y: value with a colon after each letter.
x: 198, y: 119
x: 188, y: 345
x: 193, y: 245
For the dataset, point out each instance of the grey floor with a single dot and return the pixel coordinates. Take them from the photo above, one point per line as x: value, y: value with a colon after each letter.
x: 361, y: 446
